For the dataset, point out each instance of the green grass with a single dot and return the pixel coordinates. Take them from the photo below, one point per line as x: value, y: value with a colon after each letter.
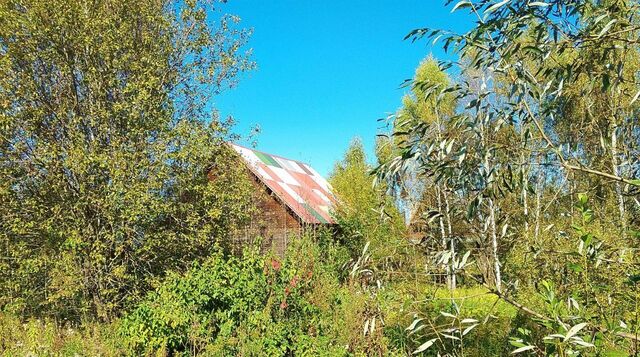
x: 37, y: 337
x: 404, y: 300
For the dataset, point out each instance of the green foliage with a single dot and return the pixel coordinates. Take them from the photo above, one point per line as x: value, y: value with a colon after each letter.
x: 46, y: 338
x: 248, y: 306
x: 227, y: 305
x: 104, y: 149
x: 419, y: 108
x: 419, y: 105
x: 252, y: 305
x: 203, y: 302
x: 365, y: 212
x: 469, y: 321
x: 545, y: 109
x: 110, y: 179
x: 585, y: 267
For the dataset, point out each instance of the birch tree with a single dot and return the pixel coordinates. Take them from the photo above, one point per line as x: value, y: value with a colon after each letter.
x: 106, y: 141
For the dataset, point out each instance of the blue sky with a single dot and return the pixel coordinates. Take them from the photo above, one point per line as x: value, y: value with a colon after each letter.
x: 328, y: 70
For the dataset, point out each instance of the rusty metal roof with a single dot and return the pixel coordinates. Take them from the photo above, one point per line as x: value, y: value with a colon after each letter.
x: 295, y: 183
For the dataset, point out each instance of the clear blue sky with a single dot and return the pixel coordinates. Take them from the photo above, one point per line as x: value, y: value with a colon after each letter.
x: 327, y: 70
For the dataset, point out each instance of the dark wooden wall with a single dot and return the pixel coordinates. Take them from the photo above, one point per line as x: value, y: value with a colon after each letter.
x: 272, y: 221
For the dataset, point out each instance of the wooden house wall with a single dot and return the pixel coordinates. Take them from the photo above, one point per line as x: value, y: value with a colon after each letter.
x: 271, y: 220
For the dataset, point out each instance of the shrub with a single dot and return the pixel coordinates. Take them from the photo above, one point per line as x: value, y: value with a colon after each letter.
x: 249, y: 305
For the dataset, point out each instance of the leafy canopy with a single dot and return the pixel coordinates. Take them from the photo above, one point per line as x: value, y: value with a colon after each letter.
x: 105, y: 148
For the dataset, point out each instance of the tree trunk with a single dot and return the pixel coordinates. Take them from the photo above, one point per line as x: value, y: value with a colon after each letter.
x: 494, y: 245
x: 452, y: 244
x: 525, y: 184
x: 443, y: 234
x: 539, y: 177
x: 525, y: 203
x: 616, y: 171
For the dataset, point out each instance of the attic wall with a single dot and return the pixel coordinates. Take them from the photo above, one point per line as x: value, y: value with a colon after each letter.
x: 271, y: 220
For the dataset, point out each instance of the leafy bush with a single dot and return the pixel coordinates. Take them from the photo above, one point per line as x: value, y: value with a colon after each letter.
x: 247, y: 305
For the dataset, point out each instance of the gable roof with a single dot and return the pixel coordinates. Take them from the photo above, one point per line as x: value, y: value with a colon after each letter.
x: 295, y: 183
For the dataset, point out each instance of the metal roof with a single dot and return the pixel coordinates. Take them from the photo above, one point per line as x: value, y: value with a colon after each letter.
x: 295, y: 183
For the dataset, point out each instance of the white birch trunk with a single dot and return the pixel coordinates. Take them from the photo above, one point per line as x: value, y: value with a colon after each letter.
x: 443, y: 234
x: 525, y: 183
x: 536, y: 232
x: 452, y: 244
x: 494, y: 245
x: 616, y: 171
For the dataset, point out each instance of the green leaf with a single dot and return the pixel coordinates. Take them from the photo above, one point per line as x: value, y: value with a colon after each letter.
x: 472, y: 208
x: 575, y: 267
x: 583, y: 343
x: 606, y: 81
x: 522, y: 349
x: 606, y: 28
x: 495, y: 7
x: 451, y: 337
x: 574, y: 330
x: 461, y: 5
x: 583, y: 198
x: 413, y: 324
x: 468, y: 329
x: 539, y: 4
x: 449, y: 147
x: 634, y: 278
x: 424, y: 346
x: 464, y: 259
x: 635, y: 97
x: 446, y: 314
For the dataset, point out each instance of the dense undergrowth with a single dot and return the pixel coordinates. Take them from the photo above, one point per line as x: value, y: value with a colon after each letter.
x: 319, y: 300
x: 368, y: 289
x: 260, y: 305
x: 303, y: 305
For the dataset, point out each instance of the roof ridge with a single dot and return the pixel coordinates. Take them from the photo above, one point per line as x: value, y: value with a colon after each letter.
x: 266, y: 153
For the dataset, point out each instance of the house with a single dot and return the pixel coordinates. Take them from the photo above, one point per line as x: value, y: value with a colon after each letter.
x: 290, y: 197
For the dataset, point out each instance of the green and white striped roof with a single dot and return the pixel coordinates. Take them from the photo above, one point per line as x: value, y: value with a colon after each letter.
x: 295, y: 183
